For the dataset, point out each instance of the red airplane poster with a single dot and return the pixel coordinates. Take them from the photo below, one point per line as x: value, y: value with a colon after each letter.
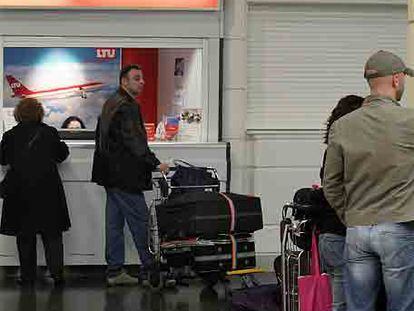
x: 69, y: 82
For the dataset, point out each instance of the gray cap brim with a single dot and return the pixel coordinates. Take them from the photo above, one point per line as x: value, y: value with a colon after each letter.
x: 409, y: 72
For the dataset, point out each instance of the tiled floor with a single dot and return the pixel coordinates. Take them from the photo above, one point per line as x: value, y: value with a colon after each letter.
x: 91, y: 294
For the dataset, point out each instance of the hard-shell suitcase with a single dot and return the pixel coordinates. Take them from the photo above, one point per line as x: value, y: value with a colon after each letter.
x: 207, y: 214
x: 179, y: 253
x: 225, y: 254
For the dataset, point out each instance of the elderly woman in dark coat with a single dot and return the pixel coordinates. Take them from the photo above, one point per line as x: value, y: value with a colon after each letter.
x: 34, y: 199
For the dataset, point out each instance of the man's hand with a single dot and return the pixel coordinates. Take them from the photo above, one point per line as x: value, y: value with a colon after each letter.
x: 164, y: 167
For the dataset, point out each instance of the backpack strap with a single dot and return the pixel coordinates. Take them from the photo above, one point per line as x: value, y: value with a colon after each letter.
x: 33, y: 139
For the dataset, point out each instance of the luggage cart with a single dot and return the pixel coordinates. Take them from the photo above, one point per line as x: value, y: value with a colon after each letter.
x: 162, y: 190
x: 295, y: 260
x: 159, y: 248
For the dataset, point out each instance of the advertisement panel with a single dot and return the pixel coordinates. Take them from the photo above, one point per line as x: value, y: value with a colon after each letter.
x: 71, y: 83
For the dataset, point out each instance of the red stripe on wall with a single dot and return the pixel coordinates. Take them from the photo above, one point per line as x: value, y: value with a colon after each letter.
x: 148, y: 60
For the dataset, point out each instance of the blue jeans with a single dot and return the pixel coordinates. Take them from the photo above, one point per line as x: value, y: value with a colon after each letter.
x: 121, y: 206
x: 380, y: 251
x: 331, y: 249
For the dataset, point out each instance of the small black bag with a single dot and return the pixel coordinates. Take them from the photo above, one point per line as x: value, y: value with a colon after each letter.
x: 187, y: 175
x: 308, y: 202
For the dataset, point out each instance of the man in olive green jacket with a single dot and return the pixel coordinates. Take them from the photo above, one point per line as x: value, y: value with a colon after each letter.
x: 369, y: 180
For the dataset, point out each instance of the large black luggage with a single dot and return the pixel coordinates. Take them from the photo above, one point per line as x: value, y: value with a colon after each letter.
x: 207, y: 214
x: 224, y: 253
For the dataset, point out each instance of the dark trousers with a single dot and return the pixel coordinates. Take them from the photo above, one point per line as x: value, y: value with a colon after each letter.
x: 53, y: 245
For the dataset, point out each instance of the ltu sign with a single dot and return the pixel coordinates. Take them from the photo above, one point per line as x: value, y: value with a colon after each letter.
x: 102, y: 53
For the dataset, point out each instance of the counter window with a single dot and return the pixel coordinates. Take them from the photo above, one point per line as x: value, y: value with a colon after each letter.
x: 73, y: 84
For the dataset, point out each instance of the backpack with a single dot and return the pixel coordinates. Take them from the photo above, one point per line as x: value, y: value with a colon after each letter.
x: 307, y: 203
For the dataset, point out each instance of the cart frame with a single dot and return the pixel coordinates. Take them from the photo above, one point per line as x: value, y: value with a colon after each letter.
x: 295, y: 261
x: 162, y: 189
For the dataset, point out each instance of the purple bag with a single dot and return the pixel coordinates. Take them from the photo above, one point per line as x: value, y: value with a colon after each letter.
x: 258, y: 298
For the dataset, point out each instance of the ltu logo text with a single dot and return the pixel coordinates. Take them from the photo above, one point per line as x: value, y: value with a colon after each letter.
x: 105, y: 53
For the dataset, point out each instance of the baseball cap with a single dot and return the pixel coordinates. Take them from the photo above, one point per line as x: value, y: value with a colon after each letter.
x: 384, y: 63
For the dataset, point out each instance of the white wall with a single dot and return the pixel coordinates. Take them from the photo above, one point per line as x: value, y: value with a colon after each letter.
x: 126, y: 24
x: 282, y: 163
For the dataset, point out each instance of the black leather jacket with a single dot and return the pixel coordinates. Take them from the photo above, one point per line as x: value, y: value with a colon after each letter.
x: 122, y: 158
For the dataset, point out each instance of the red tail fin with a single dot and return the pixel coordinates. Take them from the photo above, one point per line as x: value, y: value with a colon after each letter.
x: 19, y: 90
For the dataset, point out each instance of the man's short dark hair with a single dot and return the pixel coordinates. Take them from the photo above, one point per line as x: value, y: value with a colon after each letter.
x: 125, y: 70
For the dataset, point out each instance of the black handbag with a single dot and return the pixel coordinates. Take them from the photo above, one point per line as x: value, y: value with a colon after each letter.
x: 308, y: 202
x: 188, y: 178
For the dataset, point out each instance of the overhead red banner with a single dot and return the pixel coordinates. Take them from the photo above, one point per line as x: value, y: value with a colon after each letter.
x: 115, y: 4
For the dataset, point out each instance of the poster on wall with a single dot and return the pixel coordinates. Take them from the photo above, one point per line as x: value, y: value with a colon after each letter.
x: 71, y: 83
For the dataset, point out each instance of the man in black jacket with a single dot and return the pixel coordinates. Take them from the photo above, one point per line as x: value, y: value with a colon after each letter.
x: 123, y: 164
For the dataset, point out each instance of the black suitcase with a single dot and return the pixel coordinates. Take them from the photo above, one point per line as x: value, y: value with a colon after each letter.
x: 178, y: 253
x: 207, y: 214
x: 224, y: 254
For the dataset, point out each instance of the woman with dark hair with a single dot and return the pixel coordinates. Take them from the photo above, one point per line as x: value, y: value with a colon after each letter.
x: 345, y: 105
x: 34, y: 199
x: 332, y: 230
x: 73, y: 122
